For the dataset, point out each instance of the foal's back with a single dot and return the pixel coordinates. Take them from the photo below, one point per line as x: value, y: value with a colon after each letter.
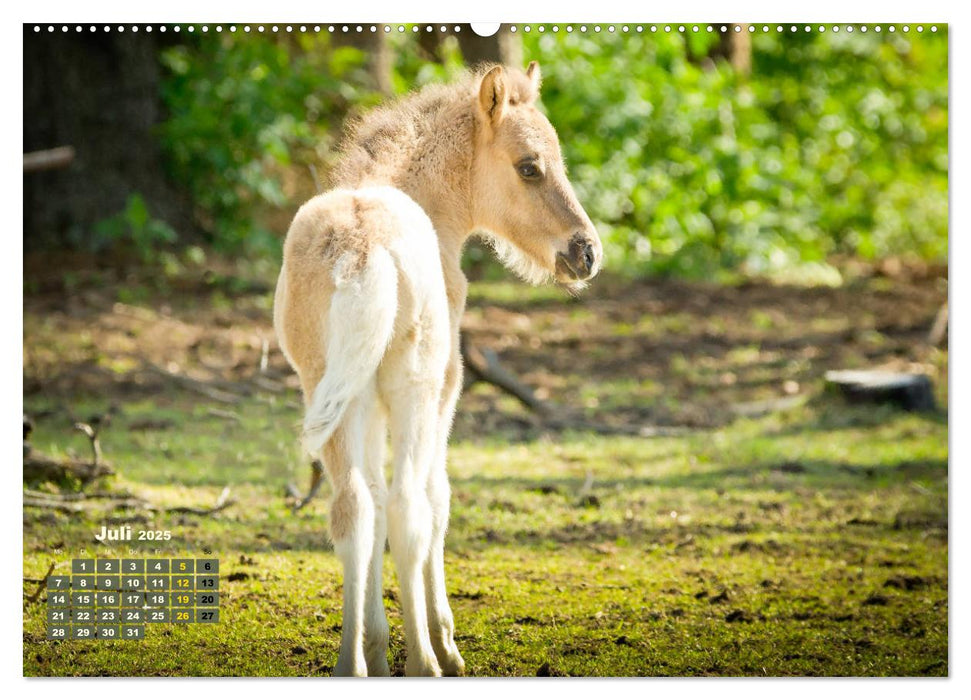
x: 376, y: 246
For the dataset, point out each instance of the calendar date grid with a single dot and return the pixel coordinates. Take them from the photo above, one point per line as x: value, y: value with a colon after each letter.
x: 106, y: 598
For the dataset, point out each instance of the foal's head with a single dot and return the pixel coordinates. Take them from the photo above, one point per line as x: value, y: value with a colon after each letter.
x: 520, y: 192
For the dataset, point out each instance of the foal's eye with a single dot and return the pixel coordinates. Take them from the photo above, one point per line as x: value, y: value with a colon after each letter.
x: 528, y: 171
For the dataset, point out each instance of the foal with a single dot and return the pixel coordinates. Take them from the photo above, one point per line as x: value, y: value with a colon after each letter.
x: 367, y: 312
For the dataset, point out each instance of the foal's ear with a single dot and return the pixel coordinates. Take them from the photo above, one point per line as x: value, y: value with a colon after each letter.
x: 534, y: 75
x: 493, y: 96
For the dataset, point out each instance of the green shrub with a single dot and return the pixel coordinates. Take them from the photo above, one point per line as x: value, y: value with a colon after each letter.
x: 837, y: 143
x: 244, y: 109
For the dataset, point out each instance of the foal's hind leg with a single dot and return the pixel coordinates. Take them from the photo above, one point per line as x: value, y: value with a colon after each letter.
x: 352, y: 531
x: 375, y: 619
x: 410, y: 380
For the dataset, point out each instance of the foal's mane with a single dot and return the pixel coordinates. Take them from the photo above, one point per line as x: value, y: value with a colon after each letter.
x: 391, y: 134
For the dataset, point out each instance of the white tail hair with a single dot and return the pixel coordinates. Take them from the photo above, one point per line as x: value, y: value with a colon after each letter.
x: 360, y: 325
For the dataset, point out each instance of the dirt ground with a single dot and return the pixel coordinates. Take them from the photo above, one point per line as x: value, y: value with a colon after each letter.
x: 625, y: 354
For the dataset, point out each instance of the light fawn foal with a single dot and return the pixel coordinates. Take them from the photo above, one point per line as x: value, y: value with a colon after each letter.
x: 367, y: 311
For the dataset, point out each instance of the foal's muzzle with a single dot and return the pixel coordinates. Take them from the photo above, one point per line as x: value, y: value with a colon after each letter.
x: 581, y: 261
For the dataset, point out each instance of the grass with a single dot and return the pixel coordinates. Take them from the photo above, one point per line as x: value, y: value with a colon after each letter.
x: 809, y: 541
x: 812, y: 542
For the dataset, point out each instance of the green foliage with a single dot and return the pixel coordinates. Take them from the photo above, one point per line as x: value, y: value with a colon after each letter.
x: 244, y: 111
x: 836, y: 144
x: 135, y: 227
x: 414, y: 68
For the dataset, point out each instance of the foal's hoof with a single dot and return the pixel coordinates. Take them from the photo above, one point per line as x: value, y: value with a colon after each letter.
x: 454, y: 665
x: 351, y: 667
x: 422, y: 667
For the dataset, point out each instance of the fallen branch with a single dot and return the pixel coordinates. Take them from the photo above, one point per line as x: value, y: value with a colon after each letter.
x: 41, y: 585
x: 39, y: 468
x: 483, y: 365
x: 75, y: 505
x: 195, y: 385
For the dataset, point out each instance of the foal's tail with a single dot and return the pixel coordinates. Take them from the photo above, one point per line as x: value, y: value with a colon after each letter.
x: 359, y: 328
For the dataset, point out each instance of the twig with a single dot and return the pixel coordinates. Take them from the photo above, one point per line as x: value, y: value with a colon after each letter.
x: 268, y: 384
x: 938, y: 331
x: 227, y: 415
x: 316, y: 479
x: 64, y: 507
x: 40, y: 585
x: 195, y: 385
x: 99, y: 495
x: 222, y: 503
x: 587, y: 485
x: 264, y: 355
x: 92, y: 434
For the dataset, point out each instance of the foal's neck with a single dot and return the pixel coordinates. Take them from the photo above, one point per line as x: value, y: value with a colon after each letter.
x: 437, y: 175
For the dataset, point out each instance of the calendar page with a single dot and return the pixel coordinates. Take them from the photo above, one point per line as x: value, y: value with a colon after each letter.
x: 560, y: 349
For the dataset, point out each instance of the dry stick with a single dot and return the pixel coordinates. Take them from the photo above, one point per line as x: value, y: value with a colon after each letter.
x: 227, y: 415
x: 195, y: 385
x: 40, y: 585
x: 222, y: 503
x: 939, y: 330
x: 316, y: 479
x: 98, y: 495
x: 264, y: 355
x: 92, y: 434
x: 268, y: 384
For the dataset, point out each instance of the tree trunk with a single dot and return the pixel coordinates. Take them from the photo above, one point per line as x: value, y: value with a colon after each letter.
x: 735, y: 47
x: 97, y: 92
x: 503, y: 47
x: 375, y: 47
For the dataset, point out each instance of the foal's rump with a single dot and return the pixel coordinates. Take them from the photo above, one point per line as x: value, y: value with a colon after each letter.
x: 358, y: 267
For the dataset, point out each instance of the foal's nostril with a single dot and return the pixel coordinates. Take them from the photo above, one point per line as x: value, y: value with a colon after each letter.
x: 588, y: 257
x: 582, y: 257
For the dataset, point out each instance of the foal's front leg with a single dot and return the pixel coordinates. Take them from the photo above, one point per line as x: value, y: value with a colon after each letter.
x: 440, y: 621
